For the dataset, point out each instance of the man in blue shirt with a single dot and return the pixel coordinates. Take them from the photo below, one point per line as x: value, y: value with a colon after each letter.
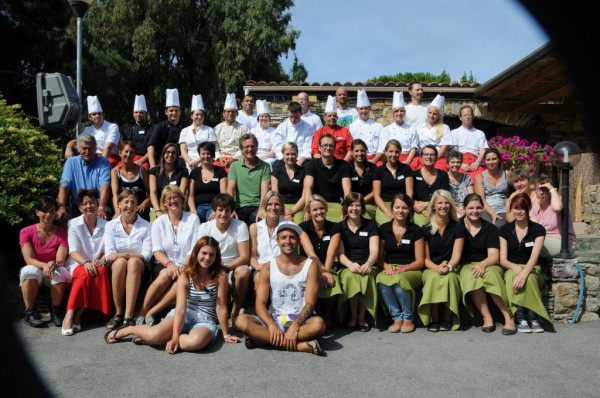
x: 87, y: 170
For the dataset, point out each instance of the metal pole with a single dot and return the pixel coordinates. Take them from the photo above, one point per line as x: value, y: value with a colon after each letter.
x: 79, y: 55
x: 564, y: 231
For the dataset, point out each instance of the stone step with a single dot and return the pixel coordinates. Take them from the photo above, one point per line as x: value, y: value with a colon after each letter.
x: 587, y: 242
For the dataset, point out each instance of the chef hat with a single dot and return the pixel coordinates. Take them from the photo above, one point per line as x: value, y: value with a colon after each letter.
x: 139, y: 104
x: 172, y: 97
x: 262, y: 107
x: 330, y: 106
x: 362, y: 99
x: 93, y: 104
x: 197, y: 103
x: 438, y: 102
x: 230, y: 102
x: 398, y: 101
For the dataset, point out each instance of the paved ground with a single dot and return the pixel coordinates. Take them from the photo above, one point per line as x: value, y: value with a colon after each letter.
x: 466, y: 363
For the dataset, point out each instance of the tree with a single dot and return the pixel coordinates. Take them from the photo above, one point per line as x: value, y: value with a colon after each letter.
x: 299, y: 72
x: 422, y: 77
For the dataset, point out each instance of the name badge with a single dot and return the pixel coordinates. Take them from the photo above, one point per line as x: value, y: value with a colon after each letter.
x: 215, y: 179
x: 528, y: 244
x: 339, y: 138
x: 400, y: 178
x: 363, y: 233
x: 297, y: 181
x: 142, y: 132
x: 419, y: 178
x: 326, y: 238
x: 173, y: 183
x: 353, y: 178
x: 405, y: 241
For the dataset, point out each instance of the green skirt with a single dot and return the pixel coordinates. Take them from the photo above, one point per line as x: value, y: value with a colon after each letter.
x: 530, y: 295
x: 419, y: 219
x: 440, y: 289
x: 380, y: 216
x: 409, y: 281
x: 353, y: 284
x: 370, y: 210
x: 334, y: 212
x: 298, y: 217
x: 492, y: 282
x: 335, y: 290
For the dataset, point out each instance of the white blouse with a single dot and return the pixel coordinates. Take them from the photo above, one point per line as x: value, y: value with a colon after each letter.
x: 90, y: 246
x: 139, y: 241
x: 175, y: 247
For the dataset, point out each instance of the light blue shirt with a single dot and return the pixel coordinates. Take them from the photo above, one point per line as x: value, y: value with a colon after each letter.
x: 77, y: 174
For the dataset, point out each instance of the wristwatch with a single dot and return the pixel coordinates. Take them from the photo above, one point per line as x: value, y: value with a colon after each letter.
x: 102, y: 208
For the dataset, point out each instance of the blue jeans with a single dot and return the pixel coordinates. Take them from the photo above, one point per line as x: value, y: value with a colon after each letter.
x: 398, y: 302
x: 204, y: 211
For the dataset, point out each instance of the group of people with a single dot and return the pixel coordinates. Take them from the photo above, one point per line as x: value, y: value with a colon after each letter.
x: 311, y: 225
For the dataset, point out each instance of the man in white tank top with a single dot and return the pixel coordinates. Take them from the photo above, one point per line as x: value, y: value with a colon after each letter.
x: 291, y: 282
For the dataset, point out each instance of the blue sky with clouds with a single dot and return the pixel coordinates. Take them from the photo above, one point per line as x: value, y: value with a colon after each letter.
x: 354, y: 40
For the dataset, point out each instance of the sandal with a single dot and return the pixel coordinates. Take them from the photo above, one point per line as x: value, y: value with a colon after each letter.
x: 110, y: 337
x: 139, y: 321
x: 150, y: 320
x: 249, y: 343
x: 128, y: 322
x: 316, y: 349
x: 115, y: 322
x: 138, y: 341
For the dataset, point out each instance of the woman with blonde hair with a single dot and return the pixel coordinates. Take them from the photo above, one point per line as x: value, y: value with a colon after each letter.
x: 435, y: 132
x: 444, y: 241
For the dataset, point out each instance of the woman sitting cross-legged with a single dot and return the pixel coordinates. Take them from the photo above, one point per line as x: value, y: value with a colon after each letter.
x: 401, y: 256
x: 444, y: 241
x: 201, y: 304
x: 480, y: 272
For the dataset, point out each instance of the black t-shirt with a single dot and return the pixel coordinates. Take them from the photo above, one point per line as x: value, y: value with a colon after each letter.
x: 204, y: 192
x: 163, y: 180
x: 320, y: 245
x: 424, y: 191
x: 403, y: 251
x: 356, y: 244
x: 441, y: 247
x: 139, y: 135
x: 362, y: 184
x: 164, y: 133
x: 291, y: 190
x: 328, y: 180
x: 475, y: 248
x: 520, y: 252
x: 392, y: 185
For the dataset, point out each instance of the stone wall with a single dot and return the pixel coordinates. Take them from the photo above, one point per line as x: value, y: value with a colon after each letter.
x: 591, y: 209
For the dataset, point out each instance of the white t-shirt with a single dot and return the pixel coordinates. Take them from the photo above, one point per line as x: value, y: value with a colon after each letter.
x: 106, y: 134
x: 405, y: 134
x: 346, y: 116
x: 369, y: 132
x: 469, y: 140
x: 415, y: 114
x: 228, y: 241
x: 248, y: 121
x: 175, y: 247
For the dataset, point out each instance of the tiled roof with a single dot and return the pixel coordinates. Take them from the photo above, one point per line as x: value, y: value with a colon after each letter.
x: 357, y: 84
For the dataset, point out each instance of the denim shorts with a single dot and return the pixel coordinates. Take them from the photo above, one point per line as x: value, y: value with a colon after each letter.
x: 196, y: 320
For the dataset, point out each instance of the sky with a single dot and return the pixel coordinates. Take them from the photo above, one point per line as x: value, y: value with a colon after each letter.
x: 355, y: 40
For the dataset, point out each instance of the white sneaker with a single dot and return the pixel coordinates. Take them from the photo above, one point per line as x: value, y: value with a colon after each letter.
x: 536, y: 327
x: 523, y: 326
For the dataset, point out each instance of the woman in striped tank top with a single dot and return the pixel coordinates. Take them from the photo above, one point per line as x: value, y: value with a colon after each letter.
x: 201, y: 304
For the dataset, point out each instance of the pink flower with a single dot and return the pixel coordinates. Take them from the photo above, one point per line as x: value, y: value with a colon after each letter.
x: 516, y: 138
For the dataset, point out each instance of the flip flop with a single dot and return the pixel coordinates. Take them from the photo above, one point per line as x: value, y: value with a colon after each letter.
x: 316, y: 350
x: 138, y: 341
x: 107, y: 336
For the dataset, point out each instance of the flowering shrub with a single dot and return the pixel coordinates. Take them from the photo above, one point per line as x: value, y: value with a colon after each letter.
x: 518, y: 153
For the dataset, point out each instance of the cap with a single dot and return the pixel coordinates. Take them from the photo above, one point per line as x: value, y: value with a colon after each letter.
x: 288, y: 225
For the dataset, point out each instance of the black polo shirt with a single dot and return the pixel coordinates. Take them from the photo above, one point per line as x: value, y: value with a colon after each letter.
x: 165, y: 133
x: 441, y: 247
x: 356, y: 244
x: 391, y: 184
x: 362, y: 184
x: 320, y: 244
x: 162, y: 180
x: 476, y: 247
x: 520, y: 252
x: 424, y: 191
x: 328, y: 180
x: 291, y: 190
x: 402, y: 251
x: 139, y: 135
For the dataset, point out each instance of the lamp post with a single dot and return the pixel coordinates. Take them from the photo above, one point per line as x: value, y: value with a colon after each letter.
x: 567, y: 156
x: 79, y: 7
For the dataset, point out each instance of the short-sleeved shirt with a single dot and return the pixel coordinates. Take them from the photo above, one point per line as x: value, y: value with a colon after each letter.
x: 520, y: 252
x: 476, y: 247
x: 424, y: 191
x: 469, y: 140
x: 369, y: 131
x: 328, y: 180
x: 320, y: 244
x: 343, y: 140
x: 138, y: 133
x: 402, y: 251
x: 237, y: 232
x: 441, y: 247
x: 428, y: 136
x: 248, y: 181
x: 193, y: 139
x: 205, y: 191
x: 362, y: 184
x: 356, y: 244
x: 164, y: 133
x: 405, y: 134
x: 460, y: 191
x: 77, y: 174
x: 290, y: 189
x: 346, y: 116
x: 43, y: 252
x: 392, y: 185
x: 162, y: 180
x: 108, y: 133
